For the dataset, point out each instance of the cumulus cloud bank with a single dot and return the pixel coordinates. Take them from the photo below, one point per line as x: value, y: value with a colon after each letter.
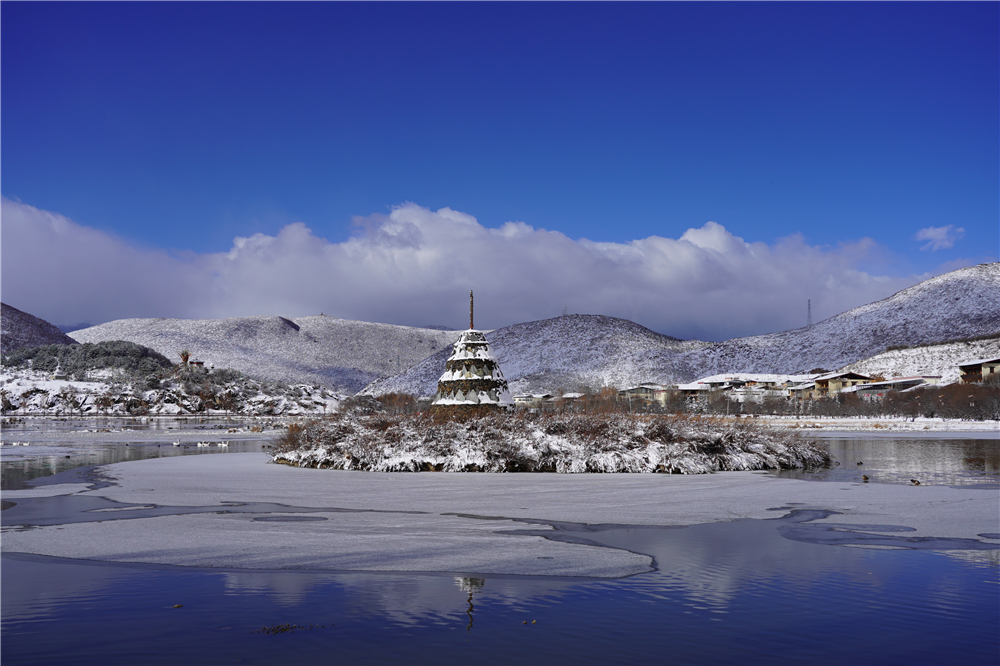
x: 416, y: 266
x: 939, y: 238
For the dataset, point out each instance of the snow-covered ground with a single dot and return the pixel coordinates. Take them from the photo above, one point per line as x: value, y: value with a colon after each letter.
x: 472, y: 523
x: 882, y: 424
x: 32, y: 393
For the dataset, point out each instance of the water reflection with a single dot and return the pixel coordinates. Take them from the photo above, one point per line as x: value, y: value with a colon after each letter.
x: 44, y: 459
x: 953, y: 462
x: 723, y: 593
x: 69, y: 424
x: 737, y: 592
x: 470, y: 585
x: 704, y: 567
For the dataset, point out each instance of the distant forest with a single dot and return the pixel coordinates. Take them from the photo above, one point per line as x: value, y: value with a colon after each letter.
x: 76, y: 360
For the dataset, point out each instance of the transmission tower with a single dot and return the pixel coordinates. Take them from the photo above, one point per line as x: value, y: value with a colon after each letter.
x: 809, y: 315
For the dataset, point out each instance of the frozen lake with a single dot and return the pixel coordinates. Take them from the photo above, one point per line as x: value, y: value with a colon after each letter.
x: 740, y: 567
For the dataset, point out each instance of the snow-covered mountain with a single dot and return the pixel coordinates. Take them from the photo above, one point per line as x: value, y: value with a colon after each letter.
x: 562, y: 354
x: 337, y: 353
x: 584, y: 350
x: 568, y: 352
x: 20, y: 329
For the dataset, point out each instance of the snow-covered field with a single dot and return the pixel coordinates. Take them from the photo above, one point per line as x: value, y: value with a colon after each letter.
x: 206, y: 515
x: 562, y: 443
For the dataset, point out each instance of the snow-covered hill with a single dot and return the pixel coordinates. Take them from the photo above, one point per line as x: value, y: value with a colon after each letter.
x: 939, y: 360
x: 20, y: 329
x: 583, y: 350
x: 563, y: 353
x: 962, y: 303
x: 340, y: 354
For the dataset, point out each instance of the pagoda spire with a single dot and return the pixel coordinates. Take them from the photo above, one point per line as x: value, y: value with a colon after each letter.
x: 471, y: 302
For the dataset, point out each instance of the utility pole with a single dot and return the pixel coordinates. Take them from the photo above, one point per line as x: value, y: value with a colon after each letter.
x: 471, y: 303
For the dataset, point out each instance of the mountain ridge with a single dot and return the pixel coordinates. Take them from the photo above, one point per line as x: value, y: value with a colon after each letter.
x: 962, y: 303
x: 563, y: 353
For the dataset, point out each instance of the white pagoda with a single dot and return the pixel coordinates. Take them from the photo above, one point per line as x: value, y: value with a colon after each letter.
x: 472, y: 380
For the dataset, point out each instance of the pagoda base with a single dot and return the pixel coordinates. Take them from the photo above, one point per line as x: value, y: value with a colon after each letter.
x: 462, y: 412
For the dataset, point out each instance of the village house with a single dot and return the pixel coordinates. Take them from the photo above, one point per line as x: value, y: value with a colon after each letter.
x: 755, y: 387
x: 877, y: 390
x: 694, y: 390
x: 973, y: 372
x: 801, y: 391
x: 745, y: 386
x: 647, y: 392
x: 833, y: 383
x: 533, y: 400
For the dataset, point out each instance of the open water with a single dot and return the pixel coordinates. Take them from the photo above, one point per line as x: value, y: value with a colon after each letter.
x: 778, y: 591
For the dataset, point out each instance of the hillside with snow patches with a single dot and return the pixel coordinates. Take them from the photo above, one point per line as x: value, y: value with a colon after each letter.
x: 937, y: 360
x: 20, y: 329
x: 568, y: 352
x: 340, y: 354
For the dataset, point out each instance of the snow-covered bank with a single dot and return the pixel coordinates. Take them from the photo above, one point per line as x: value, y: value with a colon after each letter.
x: 563, y: 443
x: 435, y: 522
x: 881, y: 424
x: 28, y: 392
x: 143, y: 428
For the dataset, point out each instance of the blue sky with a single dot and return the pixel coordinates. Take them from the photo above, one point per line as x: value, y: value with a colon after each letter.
x: 174, y: 128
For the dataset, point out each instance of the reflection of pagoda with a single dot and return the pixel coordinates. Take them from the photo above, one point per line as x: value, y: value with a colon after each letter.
x: 472, y: 380
x: 470, y: 585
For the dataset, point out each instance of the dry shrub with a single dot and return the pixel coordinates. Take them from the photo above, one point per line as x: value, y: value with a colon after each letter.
x: 289, y: 440
x: 503, y: 442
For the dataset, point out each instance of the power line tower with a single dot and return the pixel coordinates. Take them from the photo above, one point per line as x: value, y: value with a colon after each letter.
x: 809, y: 315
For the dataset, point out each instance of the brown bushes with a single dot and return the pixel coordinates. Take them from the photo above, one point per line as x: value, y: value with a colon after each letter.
x: 521, y: 442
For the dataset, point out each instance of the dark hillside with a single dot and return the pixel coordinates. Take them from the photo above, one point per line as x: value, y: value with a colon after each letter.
x: 20, y: 329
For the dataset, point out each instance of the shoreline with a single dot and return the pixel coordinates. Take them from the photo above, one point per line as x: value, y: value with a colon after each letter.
x: 804, y: 424
x: 893, y: 424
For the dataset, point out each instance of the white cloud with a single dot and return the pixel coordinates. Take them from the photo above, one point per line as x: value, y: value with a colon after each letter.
x: 416, y: 266
x: 939, y: 238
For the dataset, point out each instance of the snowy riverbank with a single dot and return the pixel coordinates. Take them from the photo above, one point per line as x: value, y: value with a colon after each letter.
x: 884, y: 424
